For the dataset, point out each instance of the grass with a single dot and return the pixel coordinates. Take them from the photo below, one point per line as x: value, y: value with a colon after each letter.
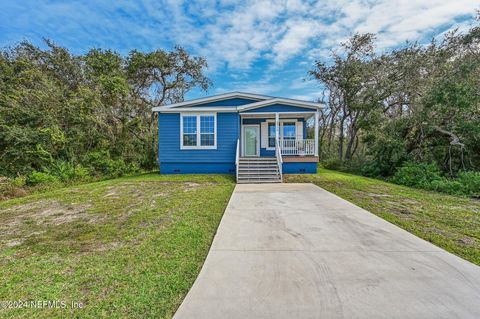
x: 450, y: 222
x: 124, y: 248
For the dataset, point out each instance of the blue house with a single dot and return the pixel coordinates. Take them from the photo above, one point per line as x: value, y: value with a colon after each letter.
x: 259, y: 138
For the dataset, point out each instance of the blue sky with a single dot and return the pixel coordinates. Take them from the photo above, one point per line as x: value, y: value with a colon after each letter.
x: 263, y: 47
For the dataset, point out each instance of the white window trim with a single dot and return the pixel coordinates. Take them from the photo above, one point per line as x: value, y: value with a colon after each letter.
x: 280, y: 135
x: 198, y: 146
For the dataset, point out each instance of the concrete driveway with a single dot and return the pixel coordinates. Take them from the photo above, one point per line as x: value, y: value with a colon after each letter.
x: 298, y: 251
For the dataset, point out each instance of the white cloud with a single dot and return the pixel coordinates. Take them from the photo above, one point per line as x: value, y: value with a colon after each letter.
x: 243, y: 32
x: 239, y: 37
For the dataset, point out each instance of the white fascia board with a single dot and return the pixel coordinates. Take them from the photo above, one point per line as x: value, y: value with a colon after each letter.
x: 215, y: 98
x: 163, y: 109
x: 310, y: 105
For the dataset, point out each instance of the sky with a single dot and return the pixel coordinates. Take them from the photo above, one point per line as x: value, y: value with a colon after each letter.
x: 263, y: 47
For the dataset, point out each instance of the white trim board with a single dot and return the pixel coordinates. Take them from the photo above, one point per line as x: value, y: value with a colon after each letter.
x: 290, y: 102
x: 263, y: 101
x: 214, y: 98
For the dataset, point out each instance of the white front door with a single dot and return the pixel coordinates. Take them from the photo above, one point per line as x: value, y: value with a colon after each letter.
x: 251, y: 140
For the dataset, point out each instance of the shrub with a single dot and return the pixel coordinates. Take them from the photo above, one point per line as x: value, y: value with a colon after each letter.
x: 101, y: 164
x: 65, y: 171
x: 334, y: 164
x: 41, y: 178
x: 82, y: 173
x: 12, y: 187
x: 417, y: 175
x: 427, y: 176
x: 470, y: 183
x: 448, y: 186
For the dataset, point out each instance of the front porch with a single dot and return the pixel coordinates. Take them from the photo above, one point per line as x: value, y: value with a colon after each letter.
x: 261, y: 133
x: 281, y: 138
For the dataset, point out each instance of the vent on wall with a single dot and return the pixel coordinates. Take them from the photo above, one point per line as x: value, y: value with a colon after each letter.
x: 231, y: 170
x: 176, y: 170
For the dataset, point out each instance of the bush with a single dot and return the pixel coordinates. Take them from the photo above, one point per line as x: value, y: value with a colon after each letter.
x: 417, y: 175
x: 448, y: 186
x: 334, y: 164
x: 101, y: 164
x: 11, y: 187
x: 427, y: 176
x: 470, y: 183
x: 41, y: 178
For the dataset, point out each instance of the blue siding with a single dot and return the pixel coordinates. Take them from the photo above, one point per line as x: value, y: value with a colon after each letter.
x: 220, y: 160
x: 299, y: 168
x: 280, y: 108
x: 227, y: 102
x: 197, y: 168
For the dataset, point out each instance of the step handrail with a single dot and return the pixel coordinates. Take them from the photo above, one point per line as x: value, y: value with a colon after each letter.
x: 278, y: 154
x: 237, y: 159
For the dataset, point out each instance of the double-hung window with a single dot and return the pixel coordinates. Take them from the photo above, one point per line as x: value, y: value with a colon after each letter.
x: 288, y: 131
x: 198, y: 131
x: 271, y: 134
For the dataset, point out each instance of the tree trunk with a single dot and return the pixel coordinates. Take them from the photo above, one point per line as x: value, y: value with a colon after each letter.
x: 341, y: 138
x: 349, y: 152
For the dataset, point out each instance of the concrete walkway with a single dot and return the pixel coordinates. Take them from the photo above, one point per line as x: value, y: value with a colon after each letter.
x: 297, y: 251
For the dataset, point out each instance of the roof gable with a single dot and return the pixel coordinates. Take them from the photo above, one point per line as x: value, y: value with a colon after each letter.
x: 236, y: 102
x: 230, y: 98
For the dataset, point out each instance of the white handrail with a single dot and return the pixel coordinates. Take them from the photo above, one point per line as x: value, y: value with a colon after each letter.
x: 298, y: 147
x: 278, y: 154
x: 237, y: 159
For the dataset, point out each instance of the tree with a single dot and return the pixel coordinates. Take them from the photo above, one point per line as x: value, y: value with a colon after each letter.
x: 92, y: 110
x: 415, y: 103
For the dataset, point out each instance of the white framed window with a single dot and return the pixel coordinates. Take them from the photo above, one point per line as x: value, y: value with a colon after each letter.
x: 288, y: 131
x: 271, y: 134
x: 198, y: 131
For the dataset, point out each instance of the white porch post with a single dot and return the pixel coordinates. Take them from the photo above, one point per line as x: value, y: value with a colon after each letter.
x: 277, y: 131
x: 316, y: 132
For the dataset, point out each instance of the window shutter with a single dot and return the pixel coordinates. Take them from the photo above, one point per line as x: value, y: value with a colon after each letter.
x: 264, y: 134
x: 299, y: 130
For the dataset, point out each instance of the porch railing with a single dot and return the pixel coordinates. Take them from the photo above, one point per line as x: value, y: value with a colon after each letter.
x: 278, y: 155
x: 237, y: 159
x: 297, y: 147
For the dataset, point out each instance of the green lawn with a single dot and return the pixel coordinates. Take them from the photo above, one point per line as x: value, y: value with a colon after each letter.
x: 132, y: 247
x: 450, y: 222
x: 124, y: 248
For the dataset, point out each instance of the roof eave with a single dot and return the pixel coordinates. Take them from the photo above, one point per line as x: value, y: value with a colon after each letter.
x: 216, y: 98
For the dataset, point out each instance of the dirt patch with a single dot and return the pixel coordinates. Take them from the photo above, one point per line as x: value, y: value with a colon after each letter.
x: 46, y: 212
x: 13, y: 243
x: 189, y: 186
x: 101, y: 247
x: 466, y: 241
x: 378, y: 195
